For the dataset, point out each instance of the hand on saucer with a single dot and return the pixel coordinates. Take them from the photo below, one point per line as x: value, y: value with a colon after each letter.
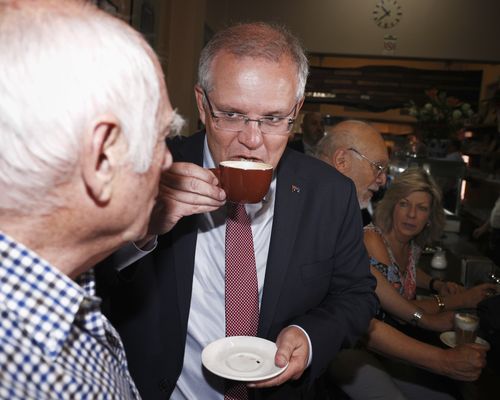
x: 293, y: 348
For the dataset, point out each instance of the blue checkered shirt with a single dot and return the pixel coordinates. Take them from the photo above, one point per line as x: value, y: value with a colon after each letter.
x: 54, y: 341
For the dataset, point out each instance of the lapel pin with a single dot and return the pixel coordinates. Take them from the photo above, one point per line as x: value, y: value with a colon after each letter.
x: 295, y: 189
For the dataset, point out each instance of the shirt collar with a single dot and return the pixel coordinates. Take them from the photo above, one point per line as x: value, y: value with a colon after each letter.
x: 45, y: 300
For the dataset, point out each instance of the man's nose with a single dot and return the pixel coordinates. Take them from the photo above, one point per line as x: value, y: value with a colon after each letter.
x: 381, y: 179
x: 251, y: 136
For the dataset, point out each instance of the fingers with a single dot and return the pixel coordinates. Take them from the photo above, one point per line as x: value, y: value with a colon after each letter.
x: 481, y: 348
x: 190, y: 183
x: 454, y: 288
x: 194, y: 171
x: 478, y: 293
x: 488, y: 286
x: 185, y: 189
x: 467, y: 361
x: 289, y: 374
x: 293, y: 348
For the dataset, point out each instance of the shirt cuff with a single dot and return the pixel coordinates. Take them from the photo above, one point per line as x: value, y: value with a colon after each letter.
x: 310, y: 345
x: 130, y: 253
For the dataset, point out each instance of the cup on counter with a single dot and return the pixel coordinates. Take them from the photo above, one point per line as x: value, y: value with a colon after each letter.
x: 244, y: 181
x: 438, y: 260
x: 466, y: 326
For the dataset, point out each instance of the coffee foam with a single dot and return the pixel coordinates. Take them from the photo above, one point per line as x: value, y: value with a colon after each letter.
x: 466, y: 322
x: 245, y: 164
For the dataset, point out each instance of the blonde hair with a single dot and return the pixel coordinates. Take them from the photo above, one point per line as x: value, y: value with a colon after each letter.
x: 412, y: 180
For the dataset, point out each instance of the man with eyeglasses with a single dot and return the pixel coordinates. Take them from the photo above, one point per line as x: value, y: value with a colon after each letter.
x: 315, y: 291
x: 357, y: 150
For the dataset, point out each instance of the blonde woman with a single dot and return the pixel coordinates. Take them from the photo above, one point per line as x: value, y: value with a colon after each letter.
x: 409, y: 216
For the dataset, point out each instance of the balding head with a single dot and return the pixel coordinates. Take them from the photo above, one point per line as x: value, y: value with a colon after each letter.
x: 355, y: 148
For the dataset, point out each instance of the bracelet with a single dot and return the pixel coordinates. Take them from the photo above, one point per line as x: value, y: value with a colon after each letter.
x: 431, y: 284
x: 415, y: 318
x: 440, y: 302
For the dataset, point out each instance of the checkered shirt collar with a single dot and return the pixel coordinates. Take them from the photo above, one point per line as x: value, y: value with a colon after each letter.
x: 46, y: 301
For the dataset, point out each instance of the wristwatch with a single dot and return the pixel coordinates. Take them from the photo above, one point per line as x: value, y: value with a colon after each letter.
x: 415, y: 318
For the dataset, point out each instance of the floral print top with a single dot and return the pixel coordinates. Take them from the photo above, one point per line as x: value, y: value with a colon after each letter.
x: 405, y: 283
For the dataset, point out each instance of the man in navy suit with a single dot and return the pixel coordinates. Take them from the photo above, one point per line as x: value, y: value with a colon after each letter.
x: 316, y: 293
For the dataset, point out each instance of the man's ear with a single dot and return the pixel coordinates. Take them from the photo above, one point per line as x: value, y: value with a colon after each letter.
x: 103, y: 151
x: 342, y: 160
x: 198, y: 92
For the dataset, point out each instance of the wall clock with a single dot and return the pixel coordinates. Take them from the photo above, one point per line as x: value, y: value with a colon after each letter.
x: 387, y: 14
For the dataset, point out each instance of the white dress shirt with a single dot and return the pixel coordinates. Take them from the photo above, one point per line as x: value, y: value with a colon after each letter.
x: 207, y: 313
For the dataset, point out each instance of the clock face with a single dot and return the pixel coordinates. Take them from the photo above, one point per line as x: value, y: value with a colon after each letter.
x: 387, y: 13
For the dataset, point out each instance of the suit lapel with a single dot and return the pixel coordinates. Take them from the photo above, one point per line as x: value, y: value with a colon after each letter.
x: 290, y: 194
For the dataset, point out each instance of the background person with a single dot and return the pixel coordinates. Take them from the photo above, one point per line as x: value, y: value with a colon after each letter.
x: 409, y: 216
x: 83, y: 117
x: 345, y: 149
x: 357, y: 372
x: 313, y: 129
x: 313, y: 298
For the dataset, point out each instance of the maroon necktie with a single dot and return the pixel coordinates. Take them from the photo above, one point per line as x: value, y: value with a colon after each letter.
x: 242, y: 293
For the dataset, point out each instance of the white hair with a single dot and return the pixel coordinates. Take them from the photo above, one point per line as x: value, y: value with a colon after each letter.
x: 64, y: 63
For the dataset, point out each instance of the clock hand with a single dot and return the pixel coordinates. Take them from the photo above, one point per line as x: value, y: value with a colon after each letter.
x: 383, y: 16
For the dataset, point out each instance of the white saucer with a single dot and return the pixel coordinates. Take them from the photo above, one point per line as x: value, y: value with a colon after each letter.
x: 448, y: 338
x: 242, y: 358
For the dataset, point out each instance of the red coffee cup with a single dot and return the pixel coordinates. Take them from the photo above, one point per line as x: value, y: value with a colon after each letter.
x: 244, y: 181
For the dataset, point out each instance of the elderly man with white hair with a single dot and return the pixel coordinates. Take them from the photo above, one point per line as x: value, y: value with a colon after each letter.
x: 84, y: 113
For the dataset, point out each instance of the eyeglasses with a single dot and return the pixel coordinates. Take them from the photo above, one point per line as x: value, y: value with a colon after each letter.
x: 236, y: 122
x: 379, y: 169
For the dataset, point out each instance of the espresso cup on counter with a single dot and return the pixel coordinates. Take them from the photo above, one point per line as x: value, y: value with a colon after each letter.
x: 466, y: 326
x: 244, y: 181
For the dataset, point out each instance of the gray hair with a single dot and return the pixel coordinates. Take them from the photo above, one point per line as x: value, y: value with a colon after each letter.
x: 63, y: 64
x: 256, y: 40
x: 412, y: 180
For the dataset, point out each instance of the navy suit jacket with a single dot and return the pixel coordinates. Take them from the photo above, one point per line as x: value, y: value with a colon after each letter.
x: 317, y: 277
